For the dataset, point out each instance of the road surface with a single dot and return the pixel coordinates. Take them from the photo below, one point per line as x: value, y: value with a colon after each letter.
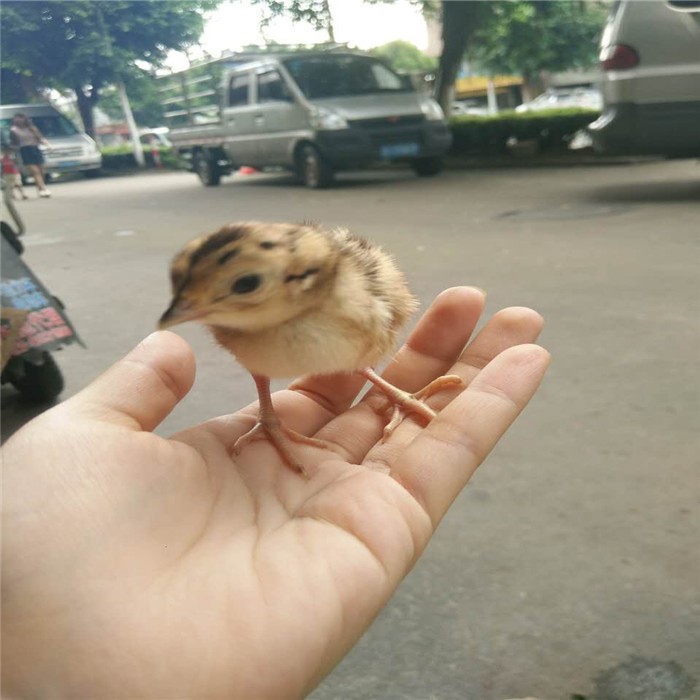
x: 574, y: 550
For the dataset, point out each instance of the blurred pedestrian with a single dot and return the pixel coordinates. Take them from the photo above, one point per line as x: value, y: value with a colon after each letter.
x: 11, y: 180
x: 28, y: 138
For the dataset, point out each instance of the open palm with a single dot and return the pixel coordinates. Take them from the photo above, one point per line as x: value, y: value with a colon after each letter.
x: 135, y: 566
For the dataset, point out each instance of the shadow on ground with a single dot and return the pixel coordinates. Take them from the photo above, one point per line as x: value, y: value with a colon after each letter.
x: 345, y: 180
x: 655, y: 192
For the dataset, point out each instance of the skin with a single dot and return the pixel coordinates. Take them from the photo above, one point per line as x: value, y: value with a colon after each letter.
x: 143, y: 567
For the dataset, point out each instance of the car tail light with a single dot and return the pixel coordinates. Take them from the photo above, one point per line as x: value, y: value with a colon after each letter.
x: 618, y: 57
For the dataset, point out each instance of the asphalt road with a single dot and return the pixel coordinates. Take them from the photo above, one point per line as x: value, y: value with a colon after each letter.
x: 570, y: 564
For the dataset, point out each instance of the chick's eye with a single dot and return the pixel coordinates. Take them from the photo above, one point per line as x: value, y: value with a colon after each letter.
x: 246, y: 284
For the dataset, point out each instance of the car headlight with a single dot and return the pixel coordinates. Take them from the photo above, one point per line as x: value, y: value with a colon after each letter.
x: 323, y: 118
x: 432, y: 110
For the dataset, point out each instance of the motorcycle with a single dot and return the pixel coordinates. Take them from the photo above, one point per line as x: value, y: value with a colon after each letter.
x: 33, y: 322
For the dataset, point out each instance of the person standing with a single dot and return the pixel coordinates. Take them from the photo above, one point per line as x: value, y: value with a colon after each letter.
x: 28, y: 138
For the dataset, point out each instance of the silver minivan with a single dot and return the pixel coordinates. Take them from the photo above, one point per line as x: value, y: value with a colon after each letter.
x: 650, y: 61
x: 314, y: 113
x: 70, y: 150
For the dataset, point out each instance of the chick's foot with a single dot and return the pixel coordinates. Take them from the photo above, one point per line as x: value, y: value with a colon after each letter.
x: 405, y: 403
x: 283, y: 439
x: 269, y: 426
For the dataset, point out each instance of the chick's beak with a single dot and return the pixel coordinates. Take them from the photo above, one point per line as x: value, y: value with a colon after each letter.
x: 179, y: 311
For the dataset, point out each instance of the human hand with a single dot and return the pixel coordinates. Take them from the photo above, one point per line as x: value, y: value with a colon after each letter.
x: 141, y: 567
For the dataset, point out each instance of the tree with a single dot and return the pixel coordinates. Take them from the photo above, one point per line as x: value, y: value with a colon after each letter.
x: 460, y: 21
x: 85, y: 45
x: 16, y: 87
x: 527, y: 37
x: 316, y: 12
x: 404, y: 57
x: 146, y: 102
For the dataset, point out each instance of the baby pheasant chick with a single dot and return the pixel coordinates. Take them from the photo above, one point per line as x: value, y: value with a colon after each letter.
x: 288, y: 300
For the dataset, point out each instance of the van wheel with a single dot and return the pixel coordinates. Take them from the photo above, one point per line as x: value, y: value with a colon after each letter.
x: 426, y: 167
x: 313, y: 169
x: 38, y: 383
x: 207, y: 169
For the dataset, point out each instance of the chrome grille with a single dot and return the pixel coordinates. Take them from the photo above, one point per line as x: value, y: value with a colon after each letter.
x: 66, y: 152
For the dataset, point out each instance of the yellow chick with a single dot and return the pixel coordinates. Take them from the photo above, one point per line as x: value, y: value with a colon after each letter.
x: 294, y: 299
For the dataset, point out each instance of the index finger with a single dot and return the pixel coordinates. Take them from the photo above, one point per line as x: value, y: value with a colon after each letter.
x: 439, y: 462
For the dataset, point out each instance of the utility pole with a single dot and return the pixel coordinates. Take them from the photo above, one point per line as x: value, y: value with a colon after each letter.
x: 131, y: 123
x: 123, y: 97
x: 491, y: 96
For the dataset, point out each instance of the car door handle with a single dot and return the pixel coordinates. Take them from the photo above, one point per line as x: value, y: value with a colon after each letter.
x: 259, y: 119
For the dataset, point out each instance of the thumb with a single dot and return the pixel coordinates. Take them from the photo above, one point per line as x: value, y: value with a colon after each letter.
x: 141, y: 389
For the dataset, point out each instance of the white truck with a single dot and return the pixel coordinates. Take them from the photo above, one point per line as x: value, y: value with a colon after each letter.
x: 71, y: 150
x: 310, y: 112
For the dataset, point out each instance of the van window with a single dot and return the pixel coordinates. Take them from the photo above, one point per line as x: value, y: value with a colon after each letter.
x: 686, y: 5
x: 341, y: 76
x: 50, y: 125
x: 238, y: 90
x: 272, y: 88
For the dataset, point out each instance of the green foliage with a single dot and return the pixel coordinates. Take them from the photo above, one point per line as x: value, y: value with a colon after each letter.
x: 121, y: 159
x: 14, y: 88
x: 526, y: 36
x: 86, y: 44
x: 550, y: 129
x: 404, y: 57
x: 316, y: 12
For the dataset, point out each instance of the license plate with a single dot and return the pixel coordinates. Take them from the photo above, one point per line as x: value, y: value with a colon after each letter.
x: 399, y: 150
x: 67, y: 163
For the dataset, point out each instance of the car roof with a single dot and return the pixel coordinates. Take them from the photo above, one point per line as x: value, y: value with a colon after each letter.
x: 265, y: 59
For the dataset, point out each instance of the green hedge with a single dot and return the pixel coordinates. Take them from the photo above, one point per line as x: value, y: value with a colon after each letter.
x: 549, y: 129
x: 122, y: 158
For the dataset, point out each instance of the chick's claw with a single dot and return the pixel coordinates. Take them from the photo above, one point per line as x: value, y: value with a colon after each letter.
x: 405, y: 403
x: 448, y: 381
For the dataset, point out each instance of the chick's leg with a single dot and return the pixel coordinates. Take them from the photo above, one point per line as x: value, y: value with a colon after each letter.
x: 270, y: 426
x: 409, y: 403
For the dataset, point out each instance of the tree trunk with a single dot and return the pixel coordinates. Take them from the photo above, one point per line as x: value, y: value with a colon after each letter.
x: 533, y: 85
x: 459, y: 20
x: 85, y: 104
x: 328, y: 20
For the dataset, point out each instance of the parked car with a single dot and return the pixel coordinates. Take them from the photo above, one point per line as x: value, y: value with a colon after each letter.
x: 158, y: 136
x: 469, y: 108
x: 71, y: 150
x: 650, y: 57
x: 314, y: 113
x: 560, y: 98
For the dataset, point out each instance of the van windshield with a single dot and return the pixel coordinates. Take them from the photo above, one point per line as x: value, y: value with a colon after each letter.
x: 342, y: 76
x: 50, y: 125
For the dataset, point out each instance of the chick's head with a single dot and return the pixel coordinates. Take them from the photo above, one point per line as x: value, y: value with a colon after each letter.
x: 251, y: 276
